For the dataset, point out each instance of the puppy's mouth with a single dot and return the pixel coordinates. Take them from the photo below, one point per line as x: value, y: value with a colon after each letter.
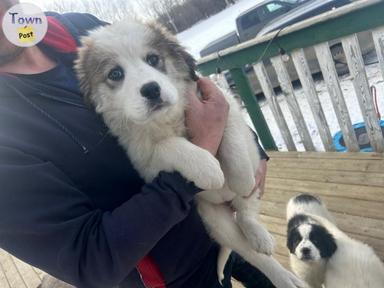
x: 158, y: 105
x: 307, y: 258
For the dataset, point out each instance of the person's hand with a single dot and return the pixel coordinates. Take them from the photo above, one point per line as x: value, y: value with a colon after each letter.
x: 261, y: 173
x: 205, y: 119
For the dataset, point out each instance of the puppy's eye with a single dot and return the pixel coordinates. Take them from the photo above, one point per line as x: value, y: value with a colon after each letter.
x: 116, y: 74
x: 153, y: 59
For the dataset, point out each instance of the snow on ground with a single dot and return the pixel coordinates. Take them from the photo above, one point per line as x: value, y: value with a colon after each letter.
x: 374, y: 78
x: 204, y: 32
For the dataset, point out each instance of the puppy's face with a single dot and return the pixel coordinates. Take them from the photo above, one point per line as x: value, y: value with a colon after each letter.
x: 309, y: 241
x: 133, y: 71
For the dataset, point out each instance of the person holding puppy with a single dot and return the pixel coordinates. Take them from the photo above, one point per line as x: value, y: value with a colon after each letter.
x: 71, y: 202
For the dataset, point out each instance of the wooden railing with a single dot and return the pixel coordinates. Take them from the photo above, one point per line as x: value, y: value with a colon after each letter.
x: 268, y: 59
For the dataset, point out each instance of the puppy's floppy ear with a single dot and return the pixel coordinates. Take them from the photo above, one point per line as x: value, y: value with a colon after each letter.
x: 166, y: 41
x: 326, y: 242
x: 293, y: 239
x: 190, y: 61
x: 83, y: 67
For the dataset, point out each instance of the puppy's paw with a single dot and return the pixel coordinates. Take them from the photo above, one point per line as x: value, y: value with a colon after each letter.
x: 286, y: 279
x: 258, y: 237
x: 209, y: 179
x: 242, y: 185
x: 261, y: 240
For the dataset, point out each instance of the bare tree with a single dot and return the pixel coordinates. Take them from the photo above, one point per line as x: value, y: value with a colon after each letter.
x: 229, y: 2
x: 114, y: 10
x: 165, y: 7
x: 176, y: 15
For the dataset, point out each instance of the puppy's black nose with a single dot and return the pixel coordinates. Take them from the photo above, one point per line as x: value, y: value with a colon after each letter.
x: 151, y: 91
x: 306, y: 251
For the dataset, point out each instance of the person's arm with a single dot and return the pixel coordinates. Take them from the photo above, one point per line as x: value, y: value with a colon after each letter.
x: 47, y: 222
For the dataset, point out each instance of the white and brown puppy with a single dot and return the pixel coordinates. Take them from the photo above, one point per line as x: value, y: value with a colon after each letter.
x: 137, y: 76
x: 322, y: 254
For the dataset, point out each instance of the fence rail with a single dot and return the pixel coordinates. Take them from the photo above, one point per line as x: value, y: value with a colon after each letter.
x: 318, y: 34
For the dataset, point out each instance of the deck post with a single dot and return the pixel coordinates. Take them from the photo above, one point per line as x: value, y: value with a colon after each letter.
x: 327, y: 66
x: 360, y: 81
x: 305, y: 76
x: 253, y: 108
x: 266, y: 86
x: 293, y: 105
x: 378, y: 38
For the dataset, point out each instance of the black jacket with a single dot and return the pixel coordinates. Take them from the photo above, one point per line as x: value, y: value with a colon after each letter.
x: 71, y: 202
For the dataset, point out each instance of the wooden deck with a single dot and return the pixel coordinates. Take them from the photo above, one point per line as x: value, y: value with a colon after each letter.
x: 351, y: 184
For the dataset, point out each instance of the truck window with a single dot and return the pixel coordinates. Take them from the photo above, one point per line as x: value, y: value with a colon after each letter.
x: 250, y: 19
x: 272, y: 7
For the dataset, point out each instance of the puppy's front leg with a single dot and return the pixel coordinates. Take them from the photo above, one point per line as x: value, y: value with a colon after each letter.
x: 223, y: 228
x: 235, y: 155
x: 247, y: 217
x: 194, y: 163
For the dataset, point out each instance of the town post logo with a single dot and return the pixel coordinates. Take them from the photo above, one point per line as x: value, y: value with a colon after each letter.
x: 25, y: 24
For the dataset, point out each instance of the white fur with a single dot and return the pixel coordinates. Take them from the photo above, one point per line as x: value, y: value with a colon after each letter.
x: 317, y: 208
x: 312, y: 272
x: 156, y: 141
x: 354, y: 264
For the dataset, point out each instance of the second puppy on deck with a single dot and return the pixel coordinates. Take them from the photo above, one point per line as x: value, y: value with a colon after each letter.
x: 309, y: 243
x: 322, y: 254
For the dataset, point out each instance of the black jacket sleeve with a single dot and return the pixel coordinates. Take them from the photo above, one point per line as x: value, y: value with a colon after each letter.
x: 47, y: 222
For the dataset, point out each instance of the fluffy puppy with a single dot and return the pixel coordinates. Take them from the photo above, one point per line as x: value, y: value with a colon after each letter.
x: 354, y: 264
x: 309, y: 243
x: 321, y: 254
x: 136, y: 75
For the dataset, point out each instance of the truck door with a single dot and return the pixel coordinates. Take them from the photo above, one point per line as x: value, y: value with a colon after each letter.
x: 249, y: 24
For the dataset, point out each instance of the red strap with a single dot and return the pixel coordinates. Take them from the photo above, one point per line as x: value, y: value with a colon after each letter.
x: 59, y: 37
x: 150, y: 273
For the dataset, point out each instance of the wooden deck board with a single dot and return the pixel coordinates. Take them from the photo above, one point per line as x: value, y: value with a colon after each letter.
x: 3, y: 278
x: 30, y: 277
x: 15, y: 279
x: 351, y: 185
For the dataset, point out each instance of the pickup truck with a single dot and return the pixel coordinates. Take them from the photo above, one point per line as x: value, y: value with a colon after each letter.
x: 302, y: 10
x: 250, y: 23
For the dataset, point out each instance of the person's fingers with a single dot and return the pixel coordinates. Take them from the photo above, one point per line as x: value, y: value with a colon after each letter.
x: 258, y: 179
x: 261, y: 189
x: 207, y: 88
x: 193, y: 99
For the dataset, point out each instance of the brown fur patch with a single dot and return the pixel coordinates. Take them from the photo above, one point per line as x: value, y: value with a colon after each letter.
x: 90, y: 67
x: 165, y: 41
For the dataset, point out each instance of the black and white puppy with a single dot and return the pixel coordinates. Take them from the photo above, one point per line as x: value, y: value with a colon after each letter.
x: 321, y: 254
x: 310, y: 244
